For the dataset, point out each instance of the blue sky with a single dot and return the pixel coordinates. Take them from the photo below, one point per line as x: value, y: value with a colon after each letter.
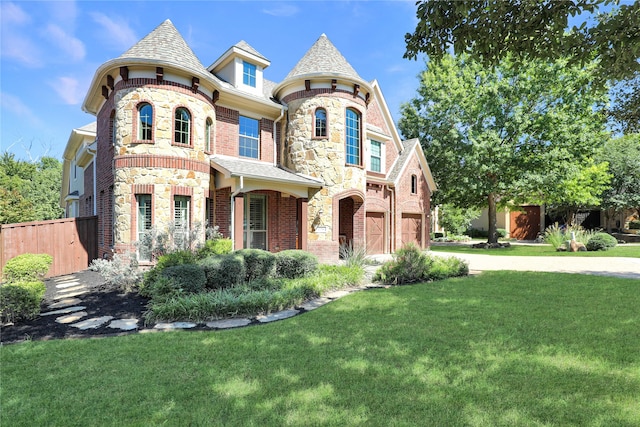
x: 50, y: 51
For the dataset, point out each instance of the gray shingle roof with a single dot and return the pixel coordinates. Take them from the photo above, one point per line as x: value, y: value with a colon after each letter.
x: 165, y: 45
x: 248, y: 48
x: 402, y: 159
x: 261, y: 170
x: 323, y: 57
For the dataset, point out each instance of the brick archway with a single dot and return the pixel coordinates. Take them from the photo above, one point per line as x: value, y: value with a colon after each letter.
x: 349, y: 218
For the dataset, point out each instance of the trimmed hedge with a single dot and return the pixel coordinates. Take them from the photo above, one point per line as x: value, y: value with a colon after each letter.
x: 601, y: 242
x: 215, y: 247
x: 258, y: 263
x: 187, y: 278
x: 27, y: 267
x: 294, y: 263
x: 21, y: 300
x: 223, y: 271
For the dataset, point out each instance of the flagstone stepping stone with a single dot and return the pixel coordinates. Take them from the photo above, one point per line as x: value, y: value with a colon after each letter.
x: 315, y: 303
x: 66, y: 302
x: 375, y: 286
x: 70, y: 294
x: 228, y: 323
x: 93, y: 323
x: 64, y: 310
x: 68, y: 284
x: 175, y: 325
x: 277, y: 316
x: 72, y: 289
x: 70, y: 318
x: 336, y: 294
x: 124, y: 324
x: 64, y: 278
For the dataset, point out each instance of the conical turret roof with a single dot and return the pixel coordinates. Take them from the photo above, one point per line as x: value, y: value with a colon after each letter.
x: 165, y: 45
x: 323, y: 58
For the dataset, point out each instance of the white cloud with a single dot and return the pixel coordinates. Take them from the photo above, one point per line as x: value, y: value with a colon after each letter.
x: 15, y: 43
x: 69, y: 89
x: 14, y: 106
x: 10, y: 13
x: 282, y: 9
x: 72, y: 46
x: 120, y: 35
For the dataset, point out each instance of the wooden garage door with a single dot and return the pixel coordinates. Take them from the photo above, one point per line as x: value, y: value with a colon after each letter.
x: 525, y: 224
x: 375, y: 232
x: 412, y: 229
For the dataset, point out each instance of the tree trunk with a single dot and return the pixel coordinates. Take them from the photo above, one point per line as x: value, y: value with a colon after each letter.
x: 493, y: 227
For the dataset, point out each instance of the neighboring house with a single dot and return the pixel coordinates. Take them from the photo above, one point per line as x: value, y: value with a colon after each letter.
x: 78, y: 172
x: 521, y: 223
x: 308, y: 163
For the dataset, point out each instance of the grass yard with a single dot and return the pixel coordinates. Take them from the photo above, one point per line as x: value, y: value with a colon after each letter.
x: 625, y: 251
x: 502, y: 348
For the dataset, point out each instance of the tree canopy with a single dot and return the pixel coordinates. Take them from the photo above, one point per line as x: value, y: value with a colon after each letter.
x: 623, y: 157
x: 505, y: 134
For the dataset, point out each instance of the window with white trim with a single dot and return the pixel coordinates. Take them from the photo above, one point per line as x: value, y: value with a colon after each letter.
x: 143, y: 219
x: 352, y: 136
x: 249, y: 74
x: 207, y: 134
x: 182, y: 126
x: 320, y: 123
x: 145, y: 122
x: 181, y: 218
x: 375, y: 157
x: 249, y: 137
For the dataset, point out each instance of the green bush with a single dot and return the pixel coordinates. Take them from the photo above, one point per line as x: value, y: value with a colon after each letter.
x: 165, y: 261
x: 410, y: 265
x: 295, y: 263
x: 475, y: 233
x: 189, y: 278
x: 257, y: 263
x: 27, y: 267
x: 215, y: 247
x: 634, y: 225
x: 21, y: 300
x: 223, y: 271
x: 502, y: 233
x: 601, y: 242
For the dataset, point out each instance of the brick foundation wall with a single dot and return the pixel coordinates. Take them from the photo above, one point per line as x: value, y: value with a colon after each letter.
x: 327, y: 251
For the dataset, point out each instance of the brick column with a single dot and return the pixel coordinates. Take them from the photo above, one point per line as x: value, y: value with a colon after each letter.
x: 303, y: 226
x: 238, y: 222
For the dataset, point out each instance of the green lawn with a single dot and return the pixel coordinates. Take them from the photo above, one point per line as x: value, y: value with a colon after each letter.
x: 627, y: 251
x: 501, y: 348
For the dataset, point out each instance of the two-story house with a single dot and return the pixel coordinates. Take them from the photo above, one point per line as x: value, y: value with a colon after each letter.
x: 309, y: 163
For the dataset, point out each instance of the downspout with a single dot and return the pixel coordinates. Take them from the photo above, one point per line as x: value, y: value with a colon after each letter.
x: 233, y: 209
x: 275, y: 139
x: 94, y: 180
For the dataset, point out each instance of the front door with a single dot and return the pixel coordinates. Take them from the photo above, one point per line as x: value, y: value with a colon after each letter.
x: 255, y: 221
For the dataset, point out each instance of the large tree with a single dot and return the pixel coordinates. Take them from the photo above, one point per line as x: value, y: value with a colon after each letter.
x: 489, y: 30
x: 505, y: 134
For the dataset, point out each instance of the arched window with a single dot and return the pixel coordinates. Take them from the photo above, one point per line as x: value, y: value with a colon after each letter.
x: 182, y: 126
x: 414, y: 184
x: 352, y: 137
x: 145, y: 122
x: 320, y: 123
x: 112, y: 127
x: 207, y: 134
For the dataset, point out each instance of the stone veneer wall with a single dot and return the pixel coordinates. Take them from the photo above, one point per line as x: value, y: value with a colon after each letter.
x: 169, y: 168
x: 323, y: 158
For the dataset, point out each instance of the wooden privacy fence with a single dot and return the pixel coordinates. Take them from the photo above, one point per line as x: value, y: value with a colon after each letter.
x: 73, y: 242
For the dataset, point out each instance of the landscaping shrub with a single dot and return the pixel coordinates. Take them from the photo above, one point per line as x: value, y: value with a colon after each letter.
x: 21, y: 300
x: 215, y: 247
x: 475, y: 233
x: 501, y: 232
x: 601, y: 242
x: 295, y: 263
x: 121, y: 271
x: 634, y: 225
x: 353, y: 255
x: 557, y: 236
x: 410, y: 265
x: 170, y: 259
x: 27, y: 267
x: 188, y: 278
x: 257, y: 263
x: 223, y: 271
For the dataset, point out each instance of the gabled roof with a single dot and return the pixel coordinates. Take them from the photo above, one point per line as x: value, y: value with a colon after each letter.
x: 243, y: 45
x: 243, y: 50
x: 234, y: 167
x: 323, y: 58
x: 166, y: 46
x: 410, y: 147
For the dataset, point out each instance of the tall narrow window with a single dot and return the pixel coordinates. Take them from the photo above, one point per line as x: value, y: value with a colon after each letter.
x: 376, y: 156
x: 145, y: 122
x: 414, y: 184
x: 320, y: 123
x: 182, y: 126
x: 249, y: 137
x: 112, y: 127
x: 255, y: 220
x: 143, y: 220
x: 352, y: 129
x: 181, y: 215
x: 249, y: 74
x: 207, y: 135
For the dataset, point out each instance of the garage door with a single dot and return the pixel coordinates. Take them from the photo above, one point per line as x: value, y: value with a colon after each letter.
x: 412, y: 229
x: 525, y: 224
x: 375, y: 232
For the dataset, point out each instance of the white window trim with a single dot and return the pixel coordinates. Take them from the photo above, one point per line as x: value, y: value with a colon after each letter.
x: 382, y: 155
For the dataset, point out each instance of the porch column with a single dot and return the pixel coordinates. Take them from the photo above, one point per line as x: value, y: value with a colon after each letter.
x: 303, y: 223
x: 238, y: 222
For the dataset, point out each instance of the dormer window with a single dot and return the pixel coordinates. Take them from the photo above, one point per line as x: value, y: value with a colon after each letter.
x: 320, y: 123
x: 248, y: 74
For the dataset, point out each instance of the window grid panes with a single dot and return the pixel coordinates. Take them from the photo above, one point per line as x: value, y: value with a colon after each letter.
x: 144, y: 224
x: 321, y: 123
x: 353, y: 137
x: 145, y: 122
x: 376, y: 156
x: 207, y: 135
x: 181, y: 206
x: 249, y: 137
x: 182, y: 126
x: 249, y: 74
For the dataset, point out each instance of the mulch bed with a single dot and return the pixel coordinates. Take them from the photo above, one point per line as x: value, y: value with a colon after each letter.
x: 101, y: 300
